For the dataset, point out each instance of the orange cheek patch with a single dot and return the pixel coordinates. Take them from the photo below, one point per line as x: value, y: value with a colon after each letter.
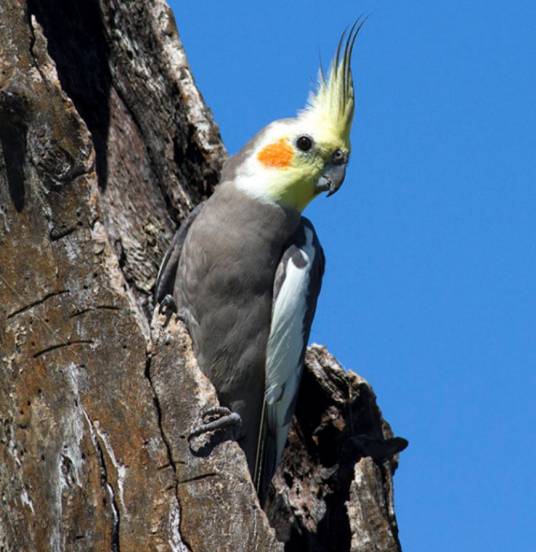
x: 279, y: 154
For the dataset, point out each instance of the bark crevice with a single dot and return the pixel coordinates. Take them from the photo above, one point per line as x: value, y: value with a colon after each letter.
x: 76, y: 38
x: 105, y: 145
x: 167, y: 444
x: 56, y: 346
x: 107, y: 487
x: 38, y: 302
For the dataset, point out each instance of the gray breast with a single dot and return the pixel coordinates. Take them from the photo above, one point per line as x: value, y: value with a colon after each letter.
x: 225, y: 282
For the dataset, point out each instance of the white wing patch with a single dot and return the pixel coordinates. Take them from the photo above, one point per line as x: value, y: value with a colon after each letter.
x: 285, y: 344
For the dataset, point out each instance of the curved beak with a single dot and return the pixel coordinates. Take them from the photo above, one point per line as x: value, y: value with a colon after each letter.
x: 332, y: 178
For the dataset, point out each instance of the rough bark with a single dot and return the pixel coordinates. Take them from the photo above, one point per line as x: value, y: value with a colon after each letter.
x: 334, y: 487
x: 105, y: 145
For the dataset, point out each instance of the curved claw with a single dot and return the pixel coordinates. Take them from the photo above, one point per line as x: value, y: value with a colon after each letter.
x: 215, y: 412
x: 214, y: 419
x: 167, y: 305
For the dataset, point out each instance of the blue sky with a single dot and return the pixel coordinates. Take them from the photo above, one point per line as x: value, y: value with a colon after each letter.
x: 430, y: 244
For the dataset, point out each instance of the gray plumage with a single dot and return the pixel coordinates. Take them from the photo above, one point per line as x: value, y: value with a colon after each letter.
x: 225, y: 268
x: 245, y: 271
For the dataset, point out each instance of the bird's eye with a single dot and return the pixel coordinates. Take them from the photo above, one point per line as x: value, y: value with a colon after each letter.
x: 304, y: 143
x: 338, y: 157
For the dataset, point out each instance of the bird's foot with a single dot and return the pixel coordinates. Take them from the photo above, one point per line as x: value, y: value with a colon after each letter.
x: 218, y: 417
x: 216, y: 421
x: 167, y: 308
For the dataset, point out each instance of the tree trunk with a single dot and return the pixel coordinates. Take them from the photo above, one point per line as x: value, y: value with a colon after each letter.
x: 105, y: 146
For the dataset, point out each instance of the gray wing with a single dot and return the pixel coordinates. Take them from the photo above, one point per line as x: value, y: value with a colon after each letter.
x: 296, y: 287
x: 165, y: 281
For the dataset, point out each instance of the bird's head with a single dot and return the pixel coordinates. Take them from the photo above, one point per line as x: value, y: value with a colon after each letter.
x: 291, y: 161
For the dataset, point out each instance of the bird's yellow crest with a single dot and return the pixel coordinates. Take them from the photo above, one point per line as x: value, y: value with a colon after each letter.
x: 332, y: 105
x: 298, y: 158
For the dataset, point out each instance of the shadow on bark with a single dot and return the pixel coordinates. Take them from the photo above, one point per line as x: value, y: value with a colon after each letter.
x: 78, y: 45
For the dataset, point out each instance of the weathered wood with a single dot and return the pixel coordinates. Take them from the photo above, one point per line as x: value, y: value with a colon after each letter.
x: 105, y: 146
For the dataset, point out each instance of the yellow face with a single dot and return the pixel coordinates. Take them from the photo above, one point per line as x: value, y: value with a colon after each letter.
x: 297, y: 161
x: 294, y: 160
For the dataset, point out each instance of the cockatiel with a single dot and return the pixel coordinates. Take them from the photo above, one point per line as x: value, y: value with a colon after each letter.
x: 245, y: 269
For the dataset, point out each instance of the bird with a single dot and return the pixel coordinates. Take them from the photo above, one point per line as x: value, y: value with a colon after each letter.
x: 244, y: 270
